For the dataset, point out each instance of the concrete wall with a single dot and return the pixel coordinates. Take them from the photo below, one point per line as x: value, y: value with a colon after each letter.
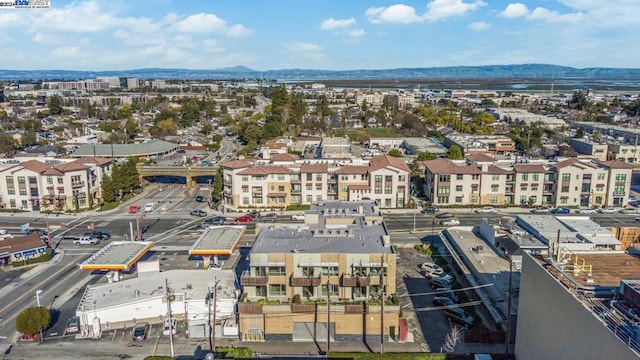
x: 552, y: 324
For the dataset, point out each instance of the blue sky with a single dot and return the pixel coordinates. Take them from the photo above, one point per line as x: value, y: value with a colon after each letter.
x: 329, y: 34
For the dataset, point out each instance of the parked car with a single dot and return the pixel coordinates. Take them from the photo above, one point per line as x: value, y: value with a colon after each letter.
x: 431, y: 268
x: 637, y: 218
x: 560, y: 211
x: 629, y: 211
x: 216, y: 220
x: 609, y: 210
x: 458, y: 316
x: 586, y: 210
x: 450, y: 222
x: 485, y: 210
x: 198, y: 212
x: 270, y: 217
x: 86, y: 240
x: 200, y: 198
x: 73, y: 325
x: 254, y: 214
x: 149, y: 207
x: 243, y: 219
x: 297, y: 217
x: 139, y: 332
x: 133, y: 209
x: 98, y: 235
x: 541, y: 210
x: 4, y: 232
x: 442, y: 301
x: 445, y: 215
x: 430, y: 210
x: 441, y: 282
x: 166, y: 328
x: 447, y: 292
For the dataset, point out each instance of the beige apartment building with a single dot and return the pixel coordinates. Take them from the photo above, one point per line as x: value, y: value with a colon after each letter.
x: 278, y: 184
x: 607, y: 150
x: 35, y: 186
x: 569, y: 183
x: 341, y: 254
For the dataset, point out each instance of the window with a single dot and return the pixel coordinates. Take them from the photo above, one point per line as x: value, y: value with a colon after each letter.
x: 308, y: 291
x: 261, y: 291
x: 600, y: 188
x: 333, y: 290
x: 245, y: 189
x: 563, y: 201
x: 474, y: 199
x: 402, y: 178
x: 523, y: 199
x: 360, y: 292
x: 308, y: 271
x: 495, y: 177
x: 49, y: 180
x: 245, y: 178
x: 82, y: 202
x: 525, y: 177
x: 309, y: 199
x: 534, y: 177
x: 375, y: 290
x: 318, y: 186
x: 310, y: 177
x: 276, y: 290
x: 23, y: 191
x: 566, y: 177
x: 618, y: 190
x: 458, y: 199
x: 257, y: 200
x: 318, y: 197
x: 475, y: 177
x: 601, y: 176
x: 443, y: 199
x: 459, y: 176
x: 260, y: 271
x: 245, y: 201
x: 565, y: 189
x: 388, y: 178
x: 387, y: 202
x: 281, y: 177
x: 494, y: 200
x: 295, y: 199
x: 619, y: 178
x: 344, y: 177
x: 534, y: 187
x: 388, y: 190
x: 444, y: 178
x: 275, y: 270
x: 345, y: 188
x: 378, y: 178
x: 330, y: 270
x: 318, y: 177
x: 443, y: 189
x: 378, y: 190
x: 309, y: 187
x: 12, y: 203
x: 458, y: 187
x: 21, y: 179
x: 281, y: 188
x: 11, y: 191
x: 494, y: 187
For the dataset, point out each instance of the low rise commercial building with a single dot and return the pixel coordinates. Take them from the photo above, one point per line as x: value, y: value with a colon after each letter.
x: 496, y: 145
x: 17, y: 250
x: 607, y: 150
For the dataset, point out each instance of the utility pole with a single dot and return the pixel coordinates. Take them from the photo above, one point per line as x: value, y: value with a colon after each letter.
x: 215, y: 302
x: 170, y: 319
x: 414, y: 221
x: 208, y: 300
x: 328, y: 317
x: 508, y: 337
x: 383, y: 284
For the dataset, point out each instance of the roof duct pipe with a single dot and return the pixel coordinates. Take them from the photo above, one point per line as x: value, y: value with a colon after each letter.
x: 386, y: 240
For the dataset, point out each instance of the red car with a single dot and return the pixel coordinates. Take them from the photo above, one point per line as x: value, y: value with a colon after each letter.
x: 133, y: 209
x: 243, y: 219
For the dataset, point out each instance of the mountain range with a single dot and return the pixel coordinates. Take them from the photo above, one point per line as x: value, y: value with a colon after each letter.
x: 521, y: 71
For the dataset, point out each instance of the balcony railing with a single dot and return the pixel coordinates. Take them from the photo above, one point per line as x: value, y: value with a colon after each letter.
x: 305, y: 281
x: 354, y: 281
x: 77, y: 183
x: 248, y: 280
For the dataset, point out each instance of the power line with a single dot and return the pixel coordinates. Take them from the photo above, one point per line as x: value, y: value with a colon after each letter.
x: 447, y: 291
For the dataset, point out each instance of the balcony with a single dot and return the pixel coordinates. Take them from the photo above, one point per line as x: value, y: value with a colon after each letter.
x: 353, y: 281
x: 247, y: 280
x: 77, y: 184
x: 305, y: 281
x: 295, y: 190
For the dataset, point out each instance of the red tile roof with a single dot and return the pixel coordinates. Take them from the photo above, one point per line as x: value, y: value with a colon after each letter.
x: 571, y: 162
x: 236, y: 164
x: 480, y: 158
x: 351, y: 169
x: 618, y: 164
x: 35, y: 166
x: 72, y: 166
x: 380, y: 161
x: 446, y: 166
x: 266, y: 170
x: 529, y: 168
x: 284, y: 157
x: 314, y: 168
x: 94, y: 160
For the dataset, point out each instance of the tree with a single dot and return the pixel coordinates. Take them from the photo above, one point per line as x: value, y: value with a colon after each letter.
x: 7, y: 144
x: 425, y: 155
x: 596, y: 136
x: 454, y: 153
x: 395, y: 153
x: 131, y: 128
x: 29, y: 138
x: 32, y: 320
x: 55, y: 105
x: 216, y: 192
x: 206, y: 129
x: 580, y: 132
x: 108, y: 189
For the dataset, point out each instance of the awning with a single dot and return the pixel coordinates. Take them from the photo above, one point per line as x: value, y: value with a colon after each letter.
x: 267, y: 264
x: 369, y: 265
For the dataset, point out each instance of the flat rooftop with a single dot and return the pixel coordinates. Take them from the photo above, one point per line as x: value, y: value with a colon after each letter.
x: 345, y: 208
x: 192, y: 283
x: 351, y: 239
x: 608, y: 269
x: 218, y: 240
x: 573, y: 229
x: 117, y: 255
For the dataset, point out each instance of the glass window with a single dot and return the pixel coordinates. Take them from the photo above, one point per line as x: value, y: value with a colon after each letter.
x: 309, y: 199
x: 318, y: 177
x: 21, y: 179
x: 475, y: 177
x: 281, y: 177
x: 276, y: 290
x: 333, y: 290
x: 458, y: 199
x: 275, y: 270
x: 402, y: 178
x: 261, y: 291
x: 388, y: 190
x: 495, y: 177
x: 459, y: 176
x: 525, y: 177
x: 494, y: 199
x: 330, y: 270
x: 245, y: 201
x: 23, y: 191
x: 60, y: 180
x: 378, y: 190
x: 49, y: 180
x: 458, y: 187
x: 534, y: 177
x: 280, y: 188
x: 378, y: 178
x: 245, y: 189
x: 318, y: 197
x: 494, y: 188
x: 310, y: 177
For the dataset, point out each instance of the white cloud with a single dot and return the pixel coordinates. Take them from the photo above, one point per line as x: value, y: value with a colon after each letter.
x: 442, y: 9
x: 239, y: 30
x: 436, y: 10
x: 541, y: 13
x: 333, y: 24
x: 209, y: 23
x: 212, y: 46
x: 358, y: 33
x: 65, y: 52
x: 398, y: 14
x: 479, y: 26
x: 515, y: 10
x: 303, y: 47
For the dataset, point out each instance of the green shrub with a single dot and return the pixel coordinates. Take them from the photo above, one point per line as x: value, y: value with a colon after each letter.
x: 44, y: 258
x: 32, y: 320
x: 298, y: 207
x: 235, y: 353
x: 387, y: 356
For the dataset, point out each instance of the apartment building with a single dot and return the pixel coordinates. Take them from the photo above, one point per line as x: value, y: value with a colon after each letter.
x: 278, y: 184
x: 342, y: 253
x: 35, y: 186
x: 607, y: 150
x: 496, y: 145
x: 569, y: 183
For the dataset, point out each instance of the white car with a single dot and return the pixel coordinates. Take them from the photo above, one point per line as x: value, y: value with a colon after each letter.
x: 609, y: 210
x: 629, y: 211
x: 432, y: 268
x: 450, y: 222
x: 167, y: 328
x: 485, y: 210
x: 297, y: 217
x: 86, y: 240
x: 587, y: 210
x: 4, y: 232
x: 149, y: 207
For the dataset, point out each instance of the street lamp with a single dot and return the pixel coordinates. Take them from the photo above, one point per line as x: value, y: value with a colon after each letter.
x: 38, y: 292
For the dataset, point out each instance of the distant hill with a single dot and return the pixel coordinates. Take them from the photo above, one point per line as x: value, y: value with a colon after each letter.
x: 521, y: 71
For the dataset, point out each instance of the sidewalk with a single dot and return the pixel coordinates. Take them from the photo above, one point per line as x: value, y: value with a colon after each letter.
x: 33, y: 271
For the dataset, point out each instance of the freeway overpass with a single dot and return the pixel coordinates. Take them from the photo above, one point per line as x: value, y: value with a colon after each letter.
x: 190, y: 173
